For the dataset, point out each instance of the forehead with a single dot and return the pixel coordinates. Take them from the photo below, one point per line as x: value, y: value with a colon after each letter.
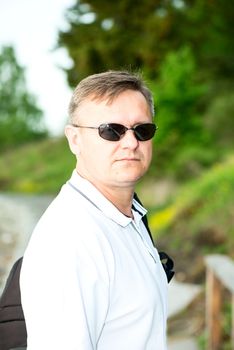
x: 127, y: 103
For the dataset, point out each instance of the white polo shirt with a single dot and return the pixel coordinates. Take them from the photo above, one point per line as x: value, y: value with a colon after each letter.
x: 91, y: 278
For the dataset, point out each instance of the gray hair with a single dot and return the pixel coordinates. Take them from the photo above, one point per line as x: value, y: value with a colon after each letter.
x: 107, y: 86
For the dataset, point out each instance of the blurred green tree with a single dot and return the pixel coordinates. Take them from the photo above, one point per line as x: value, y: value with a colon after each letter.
x: 20, y: 118
x: 177, y: 92
x: 220, y: 121
x: 208, y: 27
x: 182, y: 139
x: 134, y: 34
x: 124, y: 34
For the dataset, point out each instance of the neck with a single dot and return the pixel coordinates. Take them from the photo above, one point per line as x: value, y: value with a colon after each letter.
x: 120, y: 197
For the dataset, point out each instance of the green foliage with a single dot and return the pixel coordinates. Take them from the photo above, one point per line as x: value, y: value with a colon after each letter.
x: 209, y: 28
x: 219, y: 119
x: 138, y: 34
x: 227, y: 325
x: 38, y: 167
x: 123, y: 34
x: 182, y: 139
x: 178, y: 94
x: 20, y: 118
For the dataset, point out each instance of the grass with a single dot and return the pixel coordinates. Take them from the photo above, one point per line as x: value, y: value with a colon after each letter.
x: 199, y: 219
x: 37, y: 167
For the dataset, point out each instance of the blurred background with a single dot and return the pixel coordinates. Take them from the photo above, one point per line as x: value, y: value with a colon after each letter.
x: 185, y: 52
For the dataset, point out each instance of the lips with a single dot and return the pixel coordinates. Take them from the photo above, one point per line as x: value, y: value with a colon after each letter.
x: 128, y: 159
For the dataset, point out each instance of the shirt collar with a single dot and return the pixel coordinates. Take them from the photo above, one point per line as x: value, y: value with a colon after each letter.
x: 91, y: 193
x: 138, y: 212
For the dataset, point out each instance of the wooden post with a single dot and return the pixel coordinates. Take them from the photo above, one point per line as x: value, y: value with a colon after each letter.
x: 220, y: 274
x: 213, y: 311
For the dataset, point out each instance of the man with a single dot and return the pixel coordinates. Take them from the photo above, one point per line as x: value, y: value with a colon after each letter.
x: 90, y: 264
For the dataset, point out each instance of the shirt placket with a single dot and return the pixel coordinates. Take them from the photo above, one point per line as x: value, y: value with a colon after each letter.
x: 144, y: 241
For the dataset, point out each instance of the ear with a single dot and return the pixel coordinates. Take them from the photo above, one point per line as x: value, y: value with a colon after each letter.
x: 71, y: 134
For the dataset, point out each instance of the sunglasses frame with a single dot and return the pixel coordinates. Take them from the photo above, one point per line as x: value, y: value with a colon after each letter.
x: 118, y: 135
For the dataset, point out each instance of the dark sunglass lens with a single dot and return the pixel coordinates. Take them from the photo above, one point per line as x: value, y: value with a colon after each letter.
x: 145, y: 132
x: 111, y: 132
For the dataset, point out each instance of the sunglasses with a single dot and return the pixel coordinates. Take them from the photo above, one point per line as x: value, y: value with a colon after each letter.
x: 114, y: 131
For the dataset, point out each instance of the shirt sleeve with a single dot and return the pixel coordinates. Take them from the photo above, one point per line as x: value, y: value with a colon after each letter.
x: 65, y: 293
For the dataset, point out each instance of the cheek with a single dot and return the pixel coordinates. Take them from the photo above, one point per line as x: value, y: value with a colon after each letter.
x: 99, y: 154
x: 147, y: 151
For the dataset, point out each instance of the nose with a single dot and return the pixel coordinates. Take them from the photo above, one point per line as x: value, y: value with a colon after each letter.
x: 129, y: 140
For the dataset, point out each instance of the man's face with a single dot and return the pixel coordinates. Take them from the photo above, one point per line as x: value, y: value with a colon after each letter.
x: 110, y: 164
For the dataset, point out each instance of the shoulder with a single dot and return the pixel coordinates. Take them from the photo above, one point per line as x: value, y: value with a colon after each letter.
x: 70, y: 226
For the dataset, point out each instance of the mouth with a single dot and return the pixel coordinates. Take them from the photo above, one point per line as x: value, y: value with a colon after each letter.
x: 128, y: 159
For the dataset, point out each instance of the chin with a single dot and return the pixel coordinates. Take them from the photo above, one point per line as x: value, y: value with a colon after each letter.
x: 129, y: 174
x: 130, y: 178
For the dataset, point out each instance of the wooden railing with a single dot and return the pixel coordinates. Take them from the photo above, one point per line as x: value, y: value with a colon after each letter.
x: 219, y: 276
